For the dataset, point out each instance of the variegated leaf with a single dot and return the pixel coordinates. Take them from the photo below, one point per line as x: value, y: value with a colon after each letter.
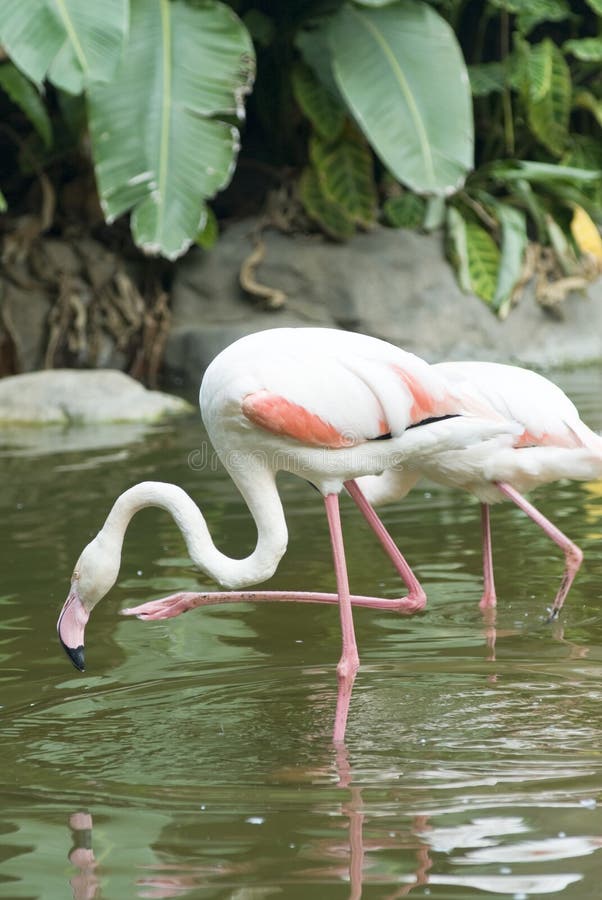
x: 483, y: 261
x: 549, y: 101
x: 322, y: 108
x: 345, y: 171
x: 331, y: 218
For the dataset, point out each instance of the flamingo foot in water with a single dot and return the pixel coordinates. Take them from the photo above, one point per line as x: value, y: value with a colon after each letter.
x: 488, y: 600
x: 166, y: 608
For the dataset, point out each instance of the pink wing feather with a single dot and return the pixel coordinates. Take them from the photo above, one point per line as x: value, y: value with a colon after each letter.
x: 287, y: 419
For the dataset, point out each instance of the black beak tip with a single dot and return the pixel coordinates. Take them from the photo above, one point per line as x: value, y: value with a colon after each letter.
x: 76, y: 655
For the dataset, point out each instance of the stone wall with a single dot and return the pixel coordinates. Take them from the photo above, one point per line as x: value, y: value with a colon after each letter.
x: 393, y: 284
x: 389, y: 283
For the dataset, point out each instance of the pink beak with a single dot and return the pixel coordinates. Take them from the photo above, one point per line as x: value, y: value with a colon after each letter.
x: 71, y: 626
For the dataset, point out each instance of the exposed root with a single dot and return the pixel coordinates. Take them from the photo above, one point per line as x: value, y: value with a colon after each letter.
x: 274, y: 297
x: 98, y: 312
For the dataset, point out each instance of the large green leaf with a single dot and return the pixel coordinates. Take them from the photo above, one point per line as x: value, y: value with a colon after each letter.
x: 530, y: 13
x: 549, y: 98
x: 494, y: 77
x: 456, y: 246
x: 434, y: 213
x: 561, y: 242
x: 208, y: 236
x: 329, y: 215
x: 531, y: 202
x: 312, y: 43
x: 513, y: 224
x: 586, y: 153
x: 535, y: 12
x: 587, y: 49
x: 487, y: 78
x: 420, y: 124
x: 158, y: 146
x: 323, y: 109
x: 73, y: 42
x: 261, y: 27
x: 523, y: 169
x: 539, y: 70
x: 586, y: 100
x: 22, y: 92
x: 345, y: 171
x: 405, y: 211
x: 483, y: 261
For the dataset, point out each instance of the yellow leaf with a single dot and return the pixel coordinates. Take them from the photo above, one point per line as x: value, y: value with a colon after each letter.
x: 585, y: 233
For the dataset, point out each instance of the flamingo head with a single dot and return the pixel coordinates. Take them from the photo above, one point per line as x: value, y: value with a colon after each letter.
x: 94, y: 575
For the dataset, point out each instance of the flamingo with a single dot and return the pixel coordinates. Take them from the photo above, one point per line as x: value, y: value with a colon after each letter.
x: 327, y: 405
x: 553, y: 443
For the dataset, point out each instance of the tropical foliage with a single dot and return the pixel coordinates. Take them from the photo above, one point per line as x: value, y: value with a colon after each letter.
x: 538, y: 114
x: 161, y: 83
x: 368, y: 103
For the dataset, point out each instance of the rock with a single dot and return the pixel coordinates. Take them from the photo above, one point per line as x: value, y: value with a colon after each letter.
x: 393, y: 284
x: 71, y: 396
x: 102, y: 442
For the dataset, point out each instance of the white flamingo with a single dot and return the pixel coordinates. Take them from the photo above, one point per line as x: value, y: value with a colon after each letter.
x: 327, y: 405
x: 553, y: 443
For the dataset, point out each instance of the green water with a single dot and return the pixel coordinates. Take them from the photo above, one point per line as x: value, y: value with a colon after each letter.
x: 193, y: 758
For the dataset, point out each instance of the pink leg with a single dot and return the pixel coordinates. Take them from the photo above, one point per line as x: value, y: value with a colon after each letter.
x: 175, y: 604
x: 490, y: 632
x: 416, y: 599
x: 184, y: 601
x: 349, y: 661
x: 354, y: 810
x: 572, y: 553
x: 488, y: 600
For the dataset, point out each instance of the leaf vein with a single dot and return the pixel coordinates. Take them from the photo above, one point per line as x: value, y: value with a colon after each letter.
x: 414, y: 111
x: 165, y: 111
x: 72, y: 34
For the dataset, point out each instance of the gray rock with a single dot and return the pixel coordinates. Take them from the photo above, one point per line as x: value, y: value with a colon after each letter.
x: 70, y: 396
x: 389, y: 283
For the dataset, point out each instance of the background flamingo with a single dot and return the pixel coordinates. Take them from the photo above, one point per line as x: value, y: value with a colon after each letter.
x: 553, y: 443
x: 330, y: 406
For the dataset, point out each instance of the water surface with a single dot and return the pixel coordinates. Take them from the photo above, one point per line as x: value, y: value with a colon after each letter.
x: 193, y: 758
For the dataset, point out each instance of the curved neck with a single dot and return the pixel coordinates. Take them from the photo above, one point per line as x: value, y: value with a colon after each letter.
x: 258, y: 487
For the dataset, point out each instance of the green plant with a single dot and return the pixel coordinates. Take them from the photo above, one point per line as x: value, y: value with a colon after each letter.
x: 538, y: 113
x: 539, y: 158
x: 372, y: 62
x: 536, y: 85
x: 368, y: 101
x: 164, y: 84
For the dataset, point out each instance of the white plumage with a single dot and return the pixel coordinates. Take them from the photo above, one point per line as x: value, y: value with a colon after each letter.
x: 552, y: 443
x: 329, y: 406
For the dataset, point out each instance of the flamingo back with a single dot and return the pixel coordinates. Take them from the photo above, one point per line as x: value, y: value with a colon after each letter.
x: 548, y: 416
x: 320, y: 387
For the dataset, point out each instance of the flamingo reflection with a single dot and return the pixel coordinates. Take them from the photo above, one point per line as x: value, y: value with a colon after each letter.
x: 85, y: 885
